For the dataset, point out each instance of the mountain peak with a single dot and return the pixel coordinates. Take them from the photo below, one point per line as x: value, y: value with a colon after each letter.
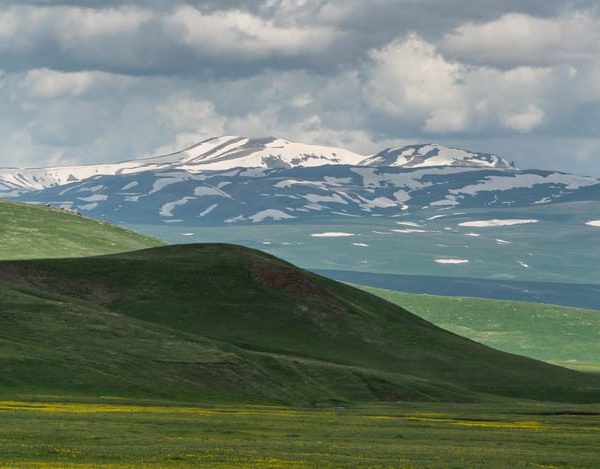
x: 432, y: 154
x: 262, y: 152
x: 231, y: 151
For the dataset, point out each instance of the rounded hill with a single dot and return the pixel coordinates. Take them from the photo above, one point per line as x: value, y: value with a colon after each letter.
x: 36, y: 231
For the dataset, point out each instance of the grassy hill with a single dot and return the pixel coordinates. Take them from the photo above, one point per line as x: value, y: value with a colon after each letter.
x: 229, y: 323
x: 557, y: 334
x: 32, y: 231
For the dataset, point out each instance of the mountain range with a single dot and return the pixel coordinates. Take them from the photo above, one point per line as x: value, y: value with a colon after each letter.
x: 252, y: 180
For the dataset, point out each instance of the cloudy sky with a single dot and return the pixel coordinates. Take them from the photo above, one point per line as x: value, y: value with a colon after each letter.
x: 90, y: 81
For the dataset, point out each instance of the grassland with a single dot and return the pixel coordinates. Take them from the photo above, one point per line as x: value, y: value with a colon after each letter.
x: 224, y: 323
x: 117, y: 433
x: 33, y: 232
x: 221, y: 356
x: 566, y: 336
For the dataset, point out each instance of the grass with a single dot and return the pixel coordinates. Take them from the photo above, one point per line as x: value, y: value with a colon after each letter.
x: 113, y: 433
x: 33, y: 232
x: 221, y: 356
x: 222, y: 323
x: 566, y: 336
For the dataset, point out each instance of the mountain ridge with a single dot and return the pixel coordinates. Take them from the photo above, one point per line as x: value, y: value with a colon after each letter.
x: 232, y: 179
x: 229, y: 152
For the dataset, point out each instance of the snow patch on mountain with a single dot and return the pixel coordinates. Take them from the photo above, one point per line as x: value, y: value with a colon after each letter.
x: 167, y: 209
x: 209, y: 209
x: 130, y: 185
x: 496, y: 222
x: 452, y: 261
x: 269, y: 214
x: 332, y: 234
x: 94, y: 198
x: 416, y: 156
x: 518, y: 181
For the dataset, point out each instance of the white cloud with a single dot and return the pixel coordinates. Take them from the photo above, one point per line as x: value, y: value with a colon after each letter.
x: 184, y: 113
x: 246, y: 36
x: 524, y: 121
x: 189, y: 121
x: 130, y: 38
x: 410, y: 78
x: 73, y: 29
x: 520, y: 39
x: 45, y: 83
x: 410, y: 81
x: 105, y: 82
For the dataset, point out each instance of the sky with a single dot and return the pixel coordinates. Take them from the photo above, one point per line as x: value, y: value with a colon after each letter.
x: 94, y: 81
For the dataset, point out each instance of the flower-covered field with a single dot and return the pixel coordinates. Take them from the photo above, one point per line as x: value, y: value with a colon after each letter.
x: 116, y: 433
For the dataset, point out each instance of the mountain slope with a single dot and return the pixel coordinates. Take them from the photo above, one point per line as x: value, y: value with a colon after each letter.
x: 418, y: 156
x: 229, y: 321
x: 29, y: 231
x: 256, y: 195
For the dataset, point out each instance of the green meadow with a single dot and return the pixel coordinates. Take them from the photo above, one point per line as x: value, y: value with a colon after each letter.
x: 126, y: 434
x: 566, y: 336
x: 33, y: 232
x: 215, y: 355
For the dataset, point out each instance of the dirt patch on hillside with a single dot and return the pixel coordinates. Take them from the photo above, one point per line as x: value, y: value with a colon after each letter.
x: 33, y: 276
x: 293, y: 281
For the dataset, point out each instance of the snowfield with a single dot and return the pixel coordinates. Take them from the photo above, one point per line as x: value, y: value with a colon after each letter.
x: 270, y: 213
x: 411, y: 230
x: 497, y: 222
x: 452, y: 261
x: 332, y: 234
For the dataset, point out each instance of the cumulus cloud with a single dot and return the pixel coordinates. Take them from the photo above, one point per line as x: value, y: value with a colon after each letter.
x: 92, y: 80
x: 46, y: 83
x: 40, y: 34
x: 246, y: 36
x: 520, y: 39
x: 188, y: 120
x: 523, y: 121
x: 137, y: 39
x: 411, y: 81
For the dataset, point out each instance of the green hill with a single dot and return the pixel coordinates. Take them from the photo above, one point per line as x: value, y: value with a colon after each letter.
x: 228, y: 323
x: 35, y: 231
x: 557, y: 334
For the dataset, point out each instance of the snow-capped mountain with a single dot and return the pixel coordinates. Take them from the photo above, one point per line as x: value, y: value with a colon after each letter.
x: 228, y: 152
x: 254, y: 195
x: 417, y: 156
x: 251, y: 180
x: 218, y: 153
